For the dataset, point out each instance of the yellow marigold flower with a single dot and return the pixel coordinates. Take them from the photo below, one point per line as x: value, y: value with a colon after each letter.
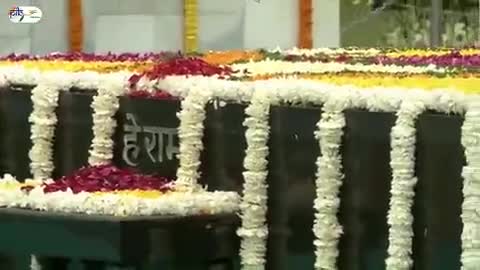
x: 77, y: 66
x: 145, y: 194
x: 465, y: 84
x: 229, y: 57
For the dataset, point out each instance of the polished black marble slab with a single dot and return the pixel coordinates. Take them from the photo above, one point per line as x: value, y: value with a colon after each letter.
x: 121, y: 241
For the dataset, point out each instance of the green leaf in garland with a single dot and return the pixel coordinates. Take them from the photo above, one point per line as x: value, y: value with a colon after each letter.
x: 274, y: 55
x: 194, y: 54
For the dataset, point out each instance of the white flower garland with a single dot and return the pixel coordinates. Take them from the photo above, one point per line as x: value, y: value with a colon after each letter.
x: 34, y: 263
x: 402, y: 155
x: 329, y: 176
x: 402, y: 162
x: 328, y: 51
x: 16, y: 74
x: 190, y: 133
x: 102, y: 149
x: 3, y: 81
x: 286, y: 67
x: 43, y: 119
x: 117, y: 204
x: 105, y: 104
x: 10, y: 193
x: 471, y: 188
x: 253, y: 208
x: 379, y: 99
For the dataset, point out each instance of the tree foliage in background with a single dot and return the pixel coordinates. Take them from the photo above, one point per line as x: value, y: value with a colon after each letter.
x: 409, y: 25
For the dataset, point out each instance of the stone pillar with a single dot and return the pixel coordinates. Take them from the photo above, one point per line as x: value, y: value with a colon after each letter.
x: 436, y: 23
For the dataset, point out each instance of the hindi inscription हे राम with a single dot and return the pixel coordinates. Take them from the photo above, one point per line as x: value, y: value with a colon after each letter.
x: 157, y: 138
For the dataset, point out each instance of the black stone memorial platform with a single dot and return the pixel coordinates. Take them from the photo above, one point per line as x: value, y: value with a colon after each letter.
x: 99, y: 242
x: 365, y: 150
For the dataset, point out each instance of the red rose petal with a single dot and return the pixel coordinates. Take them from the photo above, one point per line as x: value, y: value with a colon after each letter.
x: 108, y: 178
x: 176, y: 66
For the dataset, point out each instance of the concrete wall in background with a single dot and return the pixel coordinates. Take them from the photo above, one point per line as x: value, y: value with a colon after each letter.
x: 125, y: 25
x: 48, y: 36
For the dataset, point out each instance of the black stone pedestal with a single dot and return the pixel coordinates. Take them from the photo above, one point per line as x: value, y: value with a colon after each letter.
x: 99, y: 242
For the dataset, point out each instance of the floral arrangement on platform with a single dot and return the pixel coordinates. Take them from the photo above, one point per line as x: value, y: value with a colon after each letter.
x: 407, y: 82
x: 107, y: 190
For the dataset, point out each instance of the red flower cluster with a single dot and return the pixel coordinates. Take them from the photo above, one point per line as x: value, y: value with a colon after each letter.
x: 187, y: 66
x: 182, y: 66
x: 454, y: 58
x: 108, y: 178
x: 157, y: 95
x: 176, y: 66
x: 90, y: 57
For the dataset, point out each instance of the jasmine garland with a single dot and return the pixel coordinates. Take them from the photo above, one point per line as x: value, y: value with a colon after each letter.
x: 190, y: 133
x: 105, y: 104
x: 471, y: 187
x: 43, y: 119
x: 253, y: 208
x: 326, y: 228
x: 400, y: 218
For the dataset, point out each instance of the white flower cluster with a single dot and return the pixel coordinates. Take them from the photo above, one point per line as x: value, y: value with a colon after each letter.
x: 285, y: 67
x: 10, y: 192
x: 16, y: 74
x: 43, y: 119
x: 326, y: 227
x: 327, y: 51
x: 117, y: 204
x: 190, y: 133
x: 3, y: 81
x: 403, y: 139
x: 253, y: 208
x: 105, y: 104
x: 471, y: 188
x: 402, y: 155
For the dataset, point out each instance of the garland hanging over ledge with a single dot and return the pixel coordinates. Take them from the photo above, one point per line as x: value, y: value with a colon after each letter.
x: 326, y: 228
x: 408, y: 103
x: 190, y: 134
x: 105, y: 104
x: 471, y: 187
x: 254, y: 230
x: 43, y: 119
x: 400, y: 217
